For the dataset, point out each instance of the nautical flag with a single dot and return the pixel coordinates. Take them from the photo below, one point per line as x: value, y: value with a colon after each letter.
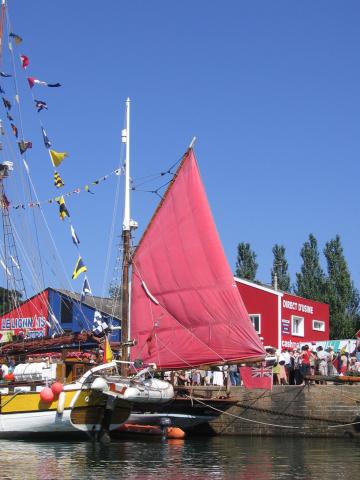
x: 14, y: 129
x: 40, y: 105
x: 85, y: 291
x: 80, y: 267
x: 6, y: 102
x: 17, y: 38
x: 24, y: 61
x: 108, y: 354
x: 74, y: 237
x: 63, y: 211
x: 5, y: 75
x: 46, y: 139
x: 87, y: 189
x: 9, y: 116
x: 58, y: 180
x: 256, y: 377
x: 100, y: 327
x: 23, y: 146
x: 32, y: 81
x: 1, y: 89
x: 57, y: 157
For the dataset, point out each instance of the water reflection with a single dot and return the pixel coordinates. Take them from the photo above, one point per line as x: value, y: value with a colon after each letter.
x: 198, y: 459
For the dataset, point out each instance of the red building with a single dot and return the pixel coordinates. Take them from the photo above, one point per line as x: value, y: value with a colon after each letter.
x: 282, y: 319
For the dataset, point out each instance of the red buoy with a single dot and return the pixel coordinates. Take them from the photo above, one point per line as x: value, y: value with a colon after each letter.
x: 9, y: 377
x: 46, y: 395
x: 57, y: 388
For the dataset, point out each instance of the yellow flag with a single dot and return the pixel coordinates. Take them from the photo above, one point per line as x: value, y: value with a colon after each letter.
x: 57, y: 157
x: 63, y: 212
x: 80, y: 267
x: 108, y: 354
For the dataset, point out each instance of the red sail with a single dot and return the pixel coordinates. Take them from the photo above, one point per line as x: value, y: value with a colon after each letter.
x: 185, y: 308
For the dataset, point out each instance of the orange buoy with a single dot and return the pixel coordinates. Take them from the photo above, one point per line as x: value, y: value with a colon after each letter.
x: 57, y: 388
x: 9, y: 377
x: 46, y: 395
x: 175, y: 432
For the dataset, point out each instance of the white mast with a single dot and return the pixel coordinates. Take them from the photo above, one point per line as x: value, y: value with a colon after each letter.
x: 126, y: 140
x: 128, y: 225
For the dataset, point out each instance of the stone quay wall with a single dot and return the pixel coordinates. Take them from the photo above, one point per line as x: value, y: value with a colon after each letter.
x: 330, y: 410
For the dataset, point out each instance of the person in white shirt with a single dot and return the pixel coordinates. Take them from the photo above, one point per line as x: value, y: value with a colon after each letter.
x: 324, y: 358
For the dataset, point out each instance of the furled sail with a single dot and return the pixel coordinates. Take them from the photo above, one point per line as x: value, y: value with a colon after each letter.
x: 185, y: 308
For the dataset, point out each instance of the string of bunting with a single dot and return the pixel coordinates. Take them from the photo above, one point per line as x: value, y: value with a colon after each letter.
x: 76, y: 191
x: 55, y: 156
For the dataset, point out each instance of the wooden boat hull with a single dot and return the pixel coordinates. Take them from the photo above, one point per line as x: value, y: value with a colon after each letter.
x: 82, y: 411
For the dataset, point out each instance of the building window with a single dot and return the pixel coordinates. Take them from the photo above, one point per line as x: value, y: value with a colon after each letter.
x: 319, y: 325
x: 66, y: 310
x: 256, y: 321
x: 297, y: 325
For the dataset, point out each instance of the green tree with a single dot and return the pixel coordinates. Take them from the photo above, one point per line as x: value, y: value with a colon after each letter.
x: 9, y: 299
x: 280, y: 269
x: 246, y: 266
x: 341, y: 294
x: 310, y: 282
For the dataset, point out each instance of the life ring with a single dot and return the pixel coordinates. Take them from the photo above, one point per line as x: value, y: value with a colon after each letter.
x: 61, y: 403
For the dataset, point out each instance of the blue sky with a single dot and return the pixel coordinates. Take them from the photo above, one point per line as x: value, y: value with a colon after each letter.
x: 270, y: 89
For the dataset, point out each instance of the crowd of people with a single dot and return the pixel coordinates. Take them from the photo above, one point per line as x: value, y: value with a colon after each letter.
x: 290, y: 366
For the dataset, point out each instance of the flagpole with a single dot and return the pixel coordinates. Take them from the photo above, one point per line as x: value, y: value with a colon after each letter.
x: 126, y: 248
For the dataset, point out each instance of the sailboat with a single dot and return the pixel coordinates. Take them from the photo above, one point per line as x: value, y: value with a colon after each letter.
x: 186, y: 311
x: 97, y: 398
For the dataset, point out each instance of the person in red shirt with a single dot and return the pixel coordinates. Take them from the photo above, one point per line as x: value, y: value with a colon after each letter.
x: 306, y: 355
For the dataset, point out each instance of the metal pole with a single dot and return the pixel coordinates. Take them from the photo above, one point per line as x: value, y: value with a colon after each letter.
x: 126, y: 249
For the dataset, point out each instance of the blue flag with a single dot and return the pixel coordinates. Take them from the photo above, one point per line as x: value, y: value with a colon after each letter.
x: 85, y: 290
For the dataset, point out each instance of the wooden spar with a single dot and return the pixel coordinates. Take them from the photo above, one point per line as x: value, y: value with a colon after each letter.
x: 125, y: 301
x: 207, y: 366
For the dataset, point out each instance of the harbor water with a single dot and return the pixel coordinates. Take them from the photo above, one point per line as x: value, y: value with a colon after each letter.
x: 193, y: 458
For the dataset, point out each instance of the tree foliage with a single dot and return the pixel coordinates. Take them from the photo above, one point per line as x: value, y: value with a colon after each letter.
x: 341, y: 294
x: 9, y: 299
x: 334, y: 286
x: 310, y: 282
x: 246, y: 266
x: 280, y: 269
